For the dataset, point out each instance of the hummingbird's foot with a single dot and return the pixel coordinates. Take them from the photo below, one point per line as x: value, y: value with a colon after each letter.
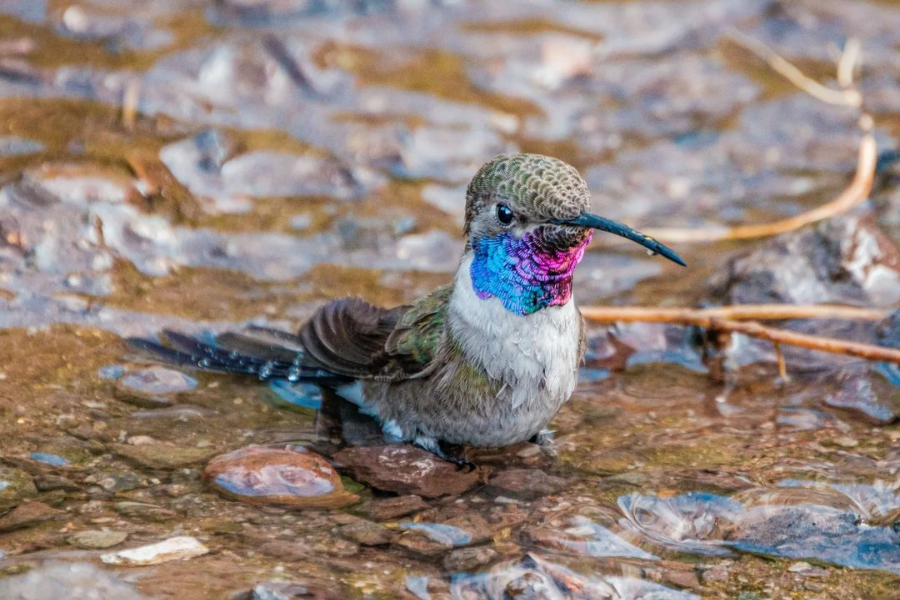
x: 544, y: 439
x: 438, y: 449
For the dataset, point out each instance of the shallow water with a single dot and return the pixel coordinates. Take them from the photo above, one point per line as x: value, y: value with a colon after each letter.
x: 201, y: 166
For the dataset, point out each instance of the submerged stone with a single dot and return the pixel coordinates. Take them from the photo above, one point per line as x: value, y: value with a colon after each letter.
x: 366, y: 533
x: 96, y: 539
x: 526, y: 484
x: 865, y: 392
x: 405, y: 469
x: 28, y: 514
x: 153, y: 387
x: 385, y: 509
x: 157, y: 455
x: 289, y: 476
x: 534, y: 577
x: 15, y: 485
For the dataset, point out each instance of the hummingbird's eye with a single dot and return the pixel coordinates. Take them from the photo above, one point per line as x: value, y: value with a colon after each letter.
x: 504, y: 214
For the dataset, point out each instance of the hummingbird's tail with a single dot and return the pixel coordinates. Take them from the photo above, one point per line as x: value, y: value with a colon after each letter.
x: 279, y: 357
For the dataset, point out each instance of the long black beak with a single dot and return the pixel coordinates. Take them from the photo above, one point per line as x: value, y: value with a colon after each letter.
x: 603, y: 224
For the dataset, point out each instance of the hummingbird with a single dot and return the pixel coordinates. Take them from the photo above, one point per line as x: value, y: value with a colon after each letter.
x: 487, y: 360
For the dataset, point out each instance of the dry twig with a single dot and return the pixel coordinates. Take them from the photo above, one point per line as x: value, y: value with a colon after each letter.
x: 733, y: 319
x: 844, y: 97
x: 702, y: 317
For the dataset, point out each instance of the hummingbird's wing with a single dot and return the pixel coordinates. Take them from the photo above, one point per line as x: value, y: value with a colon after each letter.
x: 353, y: 338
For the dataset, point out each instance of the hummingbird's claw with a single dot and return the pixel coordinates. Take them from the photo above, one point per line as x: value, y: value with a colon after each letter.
x: 462, y: 463
x: 543, y: 438
x: 438, y: 449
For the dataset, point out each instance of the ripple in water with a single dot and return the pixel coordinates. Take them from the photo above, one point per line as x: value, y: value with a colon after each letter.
x: 535, y: 577
x: 846, y: 525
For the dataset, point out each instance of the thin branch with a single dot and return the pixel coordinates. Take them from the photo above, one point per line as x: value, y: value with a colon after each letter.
x: 849, y: 61
x: 735, y: 319
x: 812, y: 342
x: 782, y: 366
x: 703, y: 317
x: 844, y: 97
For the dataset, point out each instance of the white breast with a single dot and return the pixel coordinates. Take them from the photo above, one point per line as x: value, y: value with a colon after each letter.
x: 533, y: 355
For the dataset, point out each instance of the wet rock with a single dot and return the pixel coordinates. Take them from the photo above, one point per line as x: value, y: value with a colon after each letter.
x: 288, y: 476
x: 158, y: 455
x: 121, y: 482
x: 844, y: 260
x: 73, y: 581
x: 47, y: 458
x: 366, y: 533
x: 338, y: 547
x: 581, y: 535
x: 469, y: 559
x: 153, y: 387
x: 423, y: 544
x: 96, y: 539
x: 282, y: 590
x: 48, y: 482
x: 526, y: 484
x: 176, y: 548
x: 715, y: 573
x: 15, y: 485
x: 533, y: 577
x: 693, y: 522
x: 386, y: 509
x: 474, y: 526
x: 28, y: 514
x: 286, y: 551
x: 865, y: 393
x: 405, y: 469
x: 143, y: 511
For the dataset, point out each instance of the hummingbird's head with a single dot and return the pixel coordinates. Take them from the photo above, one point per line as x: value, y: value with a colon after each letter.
x: 528, y: 222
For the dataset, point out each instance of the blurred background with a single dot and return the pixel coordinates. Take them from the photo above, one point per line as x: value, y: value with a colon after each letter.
x: 199, y: 165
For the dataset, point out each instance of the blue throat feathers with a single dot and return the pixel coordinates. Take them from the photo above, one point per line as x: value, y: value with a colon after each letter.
x: 525, y: 274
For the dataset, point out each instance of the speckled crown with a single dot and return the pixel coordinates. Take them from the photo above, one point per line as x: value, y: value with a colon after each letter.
x: 538, y: 186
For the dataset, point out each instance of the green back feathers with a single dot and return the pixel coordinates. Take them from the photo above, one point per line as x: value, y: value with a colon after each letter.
x: 417, y: 335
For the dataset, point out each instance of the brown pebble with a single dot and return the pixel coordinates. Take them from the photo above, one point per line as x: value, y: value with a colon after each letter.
x: 469, y: 559
x: 526, y: 484
x: 385, y: 509
x: 405, y: 469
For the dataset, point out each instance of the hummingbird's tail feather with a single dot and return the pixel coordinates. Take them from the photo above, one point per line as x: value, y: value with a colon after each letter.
x: 252, y: 358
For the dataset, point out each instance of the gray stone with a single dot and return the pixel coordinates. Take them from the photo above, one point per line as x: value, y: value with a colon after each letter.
x: 96, y: 539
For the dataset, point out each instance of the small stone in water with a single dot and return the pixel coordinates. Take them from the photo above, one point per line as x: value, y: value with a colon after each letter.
x: 469, y: 559
x: 176, y: 548
x: 162, y: 456
x: 54, y: 460
x: 152, y: 387
x: 366, y: 533
x: 290, y: 476
x: 96, y: 539
x: 405, y: 469
x: 526, y: 484
x: 385, y: 509
x: 28, y: 514
x: 15, y: 485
